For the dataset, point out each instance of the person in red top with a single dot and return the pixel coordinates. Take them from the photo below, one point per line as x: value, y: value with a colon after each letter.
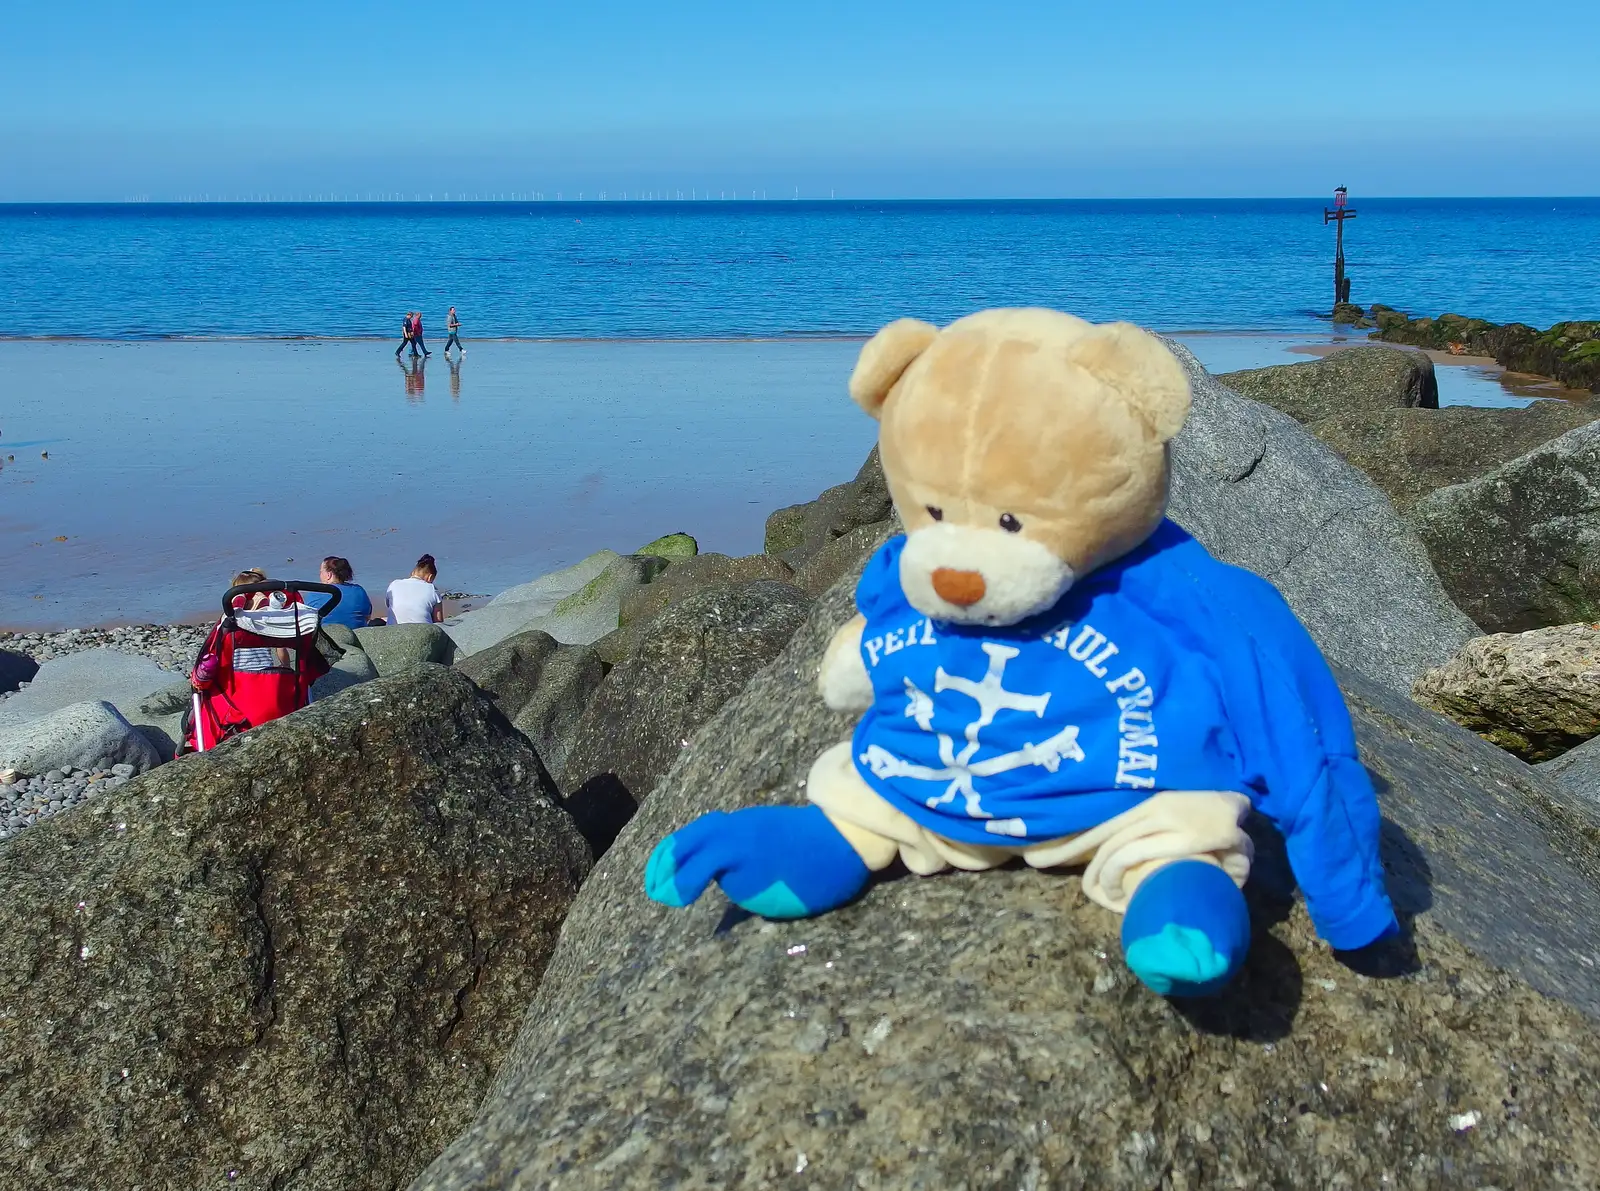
x: 416, y: 335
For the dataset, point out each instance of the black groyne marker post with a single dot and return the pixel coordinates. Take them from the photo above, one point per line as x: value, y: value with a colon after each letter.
x: 1337, y: 216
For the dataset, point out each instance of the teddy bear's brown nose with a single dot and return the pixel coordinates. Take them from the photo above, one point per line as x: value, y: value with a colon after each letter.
x: 962, y: 588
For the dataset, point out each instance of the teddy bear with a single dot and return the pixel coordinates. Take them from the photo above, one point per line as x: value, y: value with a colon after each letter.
x: 1048, y: 668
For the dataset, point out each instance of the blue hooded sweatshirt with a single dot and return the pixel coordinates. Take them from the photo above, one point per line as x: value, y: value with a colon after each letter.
x: 1164, y: 670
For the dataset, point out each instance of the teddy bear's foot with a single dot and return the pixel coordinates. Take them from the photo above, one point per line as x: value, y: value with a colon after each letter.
x: 1186, y: 930
x: 776, y: 861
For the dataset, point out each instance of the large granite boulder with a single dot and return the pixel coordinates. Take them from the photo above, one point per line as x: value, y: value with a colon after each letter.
x: 979, y: 1028
x: 1410, y: 452
x: 350, y: 668
x: 693, y: 658
x: 845, y: 555
x: 798, y: 532
x: 91, y: 676
x: 1261, y: 492
x: 541, y: 686
x: 1519, y: 547
x: 1577, y: 771
x: 291, y: 962
x: 671, y: 546
x: 1348, y: 381
x: 517, y: 608
x: 685, y: 576
x: 160, y: 716
x: 393, y: 648
x: 91, y: 735
x: 1535, y: 694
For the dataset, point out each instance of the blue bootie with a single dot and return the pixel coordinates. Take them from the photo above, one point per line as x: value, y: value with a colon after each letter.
x: 776, y: 861
x: 1186, y: 930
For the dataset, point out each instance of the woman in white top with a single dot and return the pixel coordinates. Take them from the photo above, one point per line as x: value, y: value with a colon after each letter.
x: 415, y: 600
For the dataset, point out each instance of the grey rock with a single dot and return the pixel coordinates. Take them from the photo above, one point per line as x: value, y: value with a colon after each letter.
x: 1577, y: 771
x: 695, y: 656
x: 1355, y: 379
x: 1519, y: 547
x: 798, y: 532
x: 541, y: 686
x: 297, y: 957
x: 687, y: 575
x: 78, y: 734
x: 160, y: 715
x: 1535, y: 694
x: 397, y: 647
x: 978, y: 1028
x: 1409, y: 453
x: 95, y: 675
x: 576, y: 606
x: 1259, y: 491
x: 15, y: 669
x: 845, y: 554
x: 352, y: 668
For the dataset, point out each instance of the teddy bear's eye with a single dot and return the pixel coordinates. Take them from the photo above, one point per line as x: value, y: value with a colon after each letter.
x: 1009, y: 523
x: 936, y: 513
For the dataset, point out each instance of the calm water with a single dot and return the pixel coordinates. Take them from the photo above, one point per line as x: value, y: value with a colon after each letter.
x: 172, y: 464
x: 675, y: 270
x: 178, y: 453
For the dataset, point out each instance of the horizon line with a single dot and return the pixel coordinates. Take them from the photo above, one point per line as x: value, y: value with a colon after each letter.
x: 538, y: 198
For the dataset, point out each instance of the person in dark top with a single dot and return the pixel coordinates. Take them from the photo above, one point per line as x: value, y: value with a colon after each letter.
x: 405, y: 336
x: 453, y: 325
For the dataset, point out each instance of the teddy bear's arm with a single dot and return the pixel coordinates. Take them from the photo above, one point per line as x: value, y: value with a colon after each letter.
x: 843, y: 679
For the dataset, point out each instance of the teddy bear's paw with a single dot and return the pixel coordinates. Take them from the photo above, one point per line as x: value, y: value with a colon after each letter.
x: 1179, y: 962
x: 1186, y: 930
x: 775, y: 861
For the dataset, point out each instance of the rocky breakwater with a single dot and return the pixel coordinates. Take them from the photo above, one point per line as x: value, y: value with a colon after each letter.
x: 1378, y: 408
x: 1568, y: 353
x: 979, y: 1026
x: 292, y: 962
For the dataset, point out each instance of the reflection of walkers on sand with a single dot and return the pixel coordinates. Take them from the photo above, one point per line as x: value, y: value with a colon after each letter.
x: 455, y: 377
x: 414, y: 599
x: 453, y: 325
x: 414, y: 370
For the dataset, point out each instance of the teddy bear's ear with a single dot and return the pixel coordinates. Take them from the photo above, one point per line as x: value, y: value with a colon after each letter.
x: 885, y: 356
x: 1138, y: 367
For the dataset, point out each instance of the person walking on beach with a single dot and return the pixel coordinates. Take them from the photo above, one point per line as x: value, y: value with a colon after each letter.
x: 405, y: 336
x: 414, y: 599
x: 453, y: 325
x: 416, y: 334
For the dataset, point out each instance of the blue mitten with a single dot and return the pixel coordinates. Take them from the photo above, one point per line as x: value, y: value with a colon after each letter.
x: 776, y: 861
x: 1186, y: 930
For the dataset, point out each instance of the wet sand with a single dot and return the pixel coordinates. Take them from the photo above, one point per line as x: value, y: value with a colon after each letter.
x: 173, y: 464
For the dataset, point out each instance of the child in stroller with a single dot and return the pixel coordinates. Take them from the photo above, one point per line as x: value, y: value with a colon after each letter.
x: 258, y: 663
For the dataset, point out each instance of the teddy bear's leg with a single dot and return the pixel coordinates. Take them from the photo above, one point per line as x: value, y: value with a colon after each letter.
x: 1186, y: 929
x: 776, y: 861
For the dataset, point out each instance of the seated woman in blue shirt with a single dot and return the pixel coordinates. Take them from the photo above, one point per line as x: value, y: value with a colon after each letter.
x: 355, y: 608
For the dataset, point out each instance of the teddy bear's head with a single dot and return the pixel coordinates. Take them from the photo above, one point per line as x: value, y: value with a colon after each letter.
x: 1023, y: 449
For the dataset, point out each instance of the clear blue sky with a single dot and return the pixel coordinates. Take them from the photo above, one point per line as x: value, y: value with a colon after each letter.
x: 105, y: 99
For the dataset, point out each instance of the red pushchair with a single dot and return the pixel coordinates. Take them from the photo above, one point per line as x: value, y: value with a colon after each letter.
x: 257, y: 664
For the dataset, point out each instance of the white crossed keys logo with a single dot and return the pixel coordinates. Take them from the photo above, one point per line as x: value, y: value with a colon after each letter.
x: 959, y: 769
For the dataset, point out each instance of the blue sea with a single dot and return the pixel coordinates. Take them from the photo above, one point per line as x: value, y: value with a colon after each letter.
x: 779, y: 268
x: 189, y: 390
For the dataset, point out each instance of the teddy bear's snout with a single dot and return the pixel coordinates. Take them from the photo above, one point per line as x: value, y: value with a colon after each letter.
x: 961, y: 588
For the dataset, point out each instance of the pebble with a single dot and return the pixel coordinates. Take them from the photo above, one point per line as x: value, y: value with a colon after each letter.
x: 28, y: 800
x: 171, y: 646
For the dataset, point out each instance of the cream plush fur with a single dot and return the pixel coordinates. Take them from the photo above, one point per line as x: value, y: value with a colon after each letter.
x: 1023, y: 449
